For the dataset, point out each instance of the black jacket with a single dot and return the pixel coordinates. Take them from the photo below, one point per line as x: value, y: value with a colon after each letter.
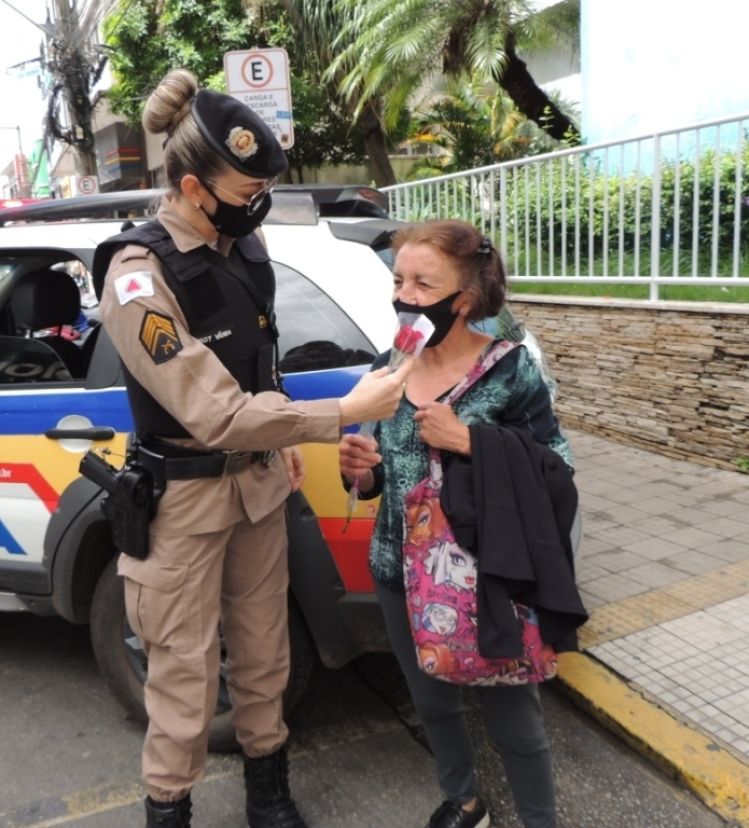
x: 513, y: 505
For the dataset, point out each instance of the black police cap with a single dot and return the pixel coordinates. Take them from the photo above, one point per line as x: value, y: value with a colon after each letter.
x: 238, y: 135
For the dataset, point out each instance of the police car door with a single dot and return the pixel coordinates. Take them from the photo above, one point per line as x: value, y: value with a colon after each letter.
x: 55, y: 405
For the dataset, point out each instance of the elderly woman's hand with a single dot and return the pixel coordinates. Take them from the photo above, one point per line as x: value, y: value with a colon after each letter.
x: 439, y: 428
x: 356, y: 456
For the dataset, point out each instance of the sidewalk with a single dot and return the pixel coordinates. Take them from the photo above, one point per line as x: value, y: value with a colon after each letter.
x: 664, y: 573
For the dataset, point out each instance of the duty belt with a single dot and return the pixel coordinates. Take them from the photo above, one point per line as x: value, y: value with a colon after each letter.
x: 173, y: 462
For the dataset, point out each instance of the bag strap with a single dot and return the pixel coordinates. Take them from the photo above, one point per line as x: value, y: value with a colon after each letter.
x: 495, y: 352
x: 492, y: 356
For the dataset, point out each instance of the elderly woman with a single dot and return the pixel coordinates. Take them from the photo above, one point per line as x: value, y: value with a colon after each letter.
x: 448, y: 272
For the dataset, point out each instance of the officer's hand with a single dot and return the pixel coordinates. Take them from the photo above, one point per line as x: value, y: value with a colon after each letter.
x: 356, y: 456
x: 375, y: 396
x: 294, y: 463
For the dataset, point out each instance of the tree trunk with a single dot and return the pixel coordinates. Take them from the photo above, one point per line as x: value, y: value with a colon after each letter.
x: 375, y: 145
x: 531, y: 100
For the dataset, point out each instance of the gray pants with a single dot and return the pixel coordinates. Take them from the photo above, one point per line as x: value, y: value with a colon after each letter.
x: 513, y: 720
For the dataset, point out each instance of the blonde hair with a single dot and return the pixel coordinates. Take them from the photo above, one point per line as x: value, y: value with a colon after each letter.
x: 169, y: 109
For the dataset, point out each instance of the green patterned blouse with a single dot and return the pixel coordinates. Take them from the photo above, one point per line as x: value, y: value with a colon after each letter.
x: 512, y: 392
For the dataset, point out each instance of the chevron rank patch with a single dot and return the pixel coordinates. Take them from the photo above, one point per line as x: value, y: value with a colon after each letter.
x: 159, y: 337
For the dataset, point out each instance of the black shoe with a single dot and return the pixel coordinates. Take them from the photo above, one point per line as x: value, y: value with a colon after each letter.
x: 451, y: 815
x: 269, y: 802
x: 168, y: 814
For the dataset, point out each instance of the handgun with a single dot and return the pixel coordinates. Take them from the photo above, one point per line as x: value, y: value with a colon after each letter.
x: 130, y: 504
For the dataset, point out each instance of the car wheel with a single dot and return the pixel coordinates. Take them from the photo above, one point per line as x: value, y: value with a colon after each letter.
x: 123, y: 663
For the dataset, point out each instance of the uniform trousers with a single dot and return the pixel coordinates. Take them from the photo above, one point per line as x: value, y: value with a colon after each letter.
x: 175, y: 599
x: 512, y: 716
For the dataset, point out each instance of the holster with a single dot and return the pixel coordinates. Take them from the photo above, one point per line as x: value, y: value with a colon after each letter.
x: 131, y: 502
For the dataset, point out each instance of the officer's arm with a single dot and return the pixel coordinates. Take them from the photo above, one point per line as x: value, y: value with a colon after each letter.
x: 149, y: 330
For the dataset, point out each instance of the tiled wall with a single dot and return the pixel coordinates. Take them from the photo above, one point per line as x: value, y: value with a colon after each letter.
x: 672, y: 377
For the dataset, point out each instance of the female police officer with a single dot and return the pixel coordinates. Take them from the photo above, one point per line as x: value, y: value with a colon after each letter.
x: 187, y: 301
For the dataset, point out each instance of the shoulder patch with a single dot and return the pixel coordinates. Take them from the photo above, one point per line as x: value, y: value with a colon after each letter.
x: 159, y: 337
x: 132, y: 285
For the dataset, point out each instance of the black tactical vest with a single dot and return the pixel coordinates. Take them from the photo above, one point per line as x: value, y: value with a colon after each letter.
x: 228, y: 305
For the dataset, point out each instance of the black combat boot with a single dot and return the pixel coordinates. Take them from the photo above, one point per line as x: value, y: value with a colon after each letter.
x: 269, y: 803
x: 168, y: 814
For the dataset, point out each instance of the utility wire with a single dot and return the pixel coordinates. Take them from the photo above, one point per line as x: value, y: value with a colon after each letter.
x: 82, y: 34
x: 25, y: 16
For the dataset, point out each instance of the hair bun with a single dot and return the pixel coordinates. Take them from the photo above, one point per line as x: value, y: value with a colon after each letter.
x: 170, y: 102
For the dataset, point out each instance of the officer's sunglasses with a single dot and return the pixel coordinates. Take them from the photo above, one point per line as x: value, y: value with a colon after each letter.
x: 257, y: 198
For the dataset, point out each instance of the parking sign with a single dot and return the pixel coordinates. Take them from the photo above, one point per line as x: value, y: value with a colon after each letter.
x: 260, y: 79
x: 87, y: 184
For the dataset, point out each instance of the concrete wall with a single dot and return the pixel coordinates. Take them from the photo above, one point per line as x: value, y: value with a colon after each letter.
x: 672, y: 377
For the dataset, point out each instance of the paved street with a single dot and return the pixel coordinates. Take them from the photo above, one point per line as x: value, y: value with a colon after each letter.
x: 70, y: 757
x: 664, y: 568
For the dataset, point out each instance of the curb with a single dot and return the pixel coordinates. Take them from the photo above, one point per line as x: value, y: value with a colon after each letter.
x: 707, y: 768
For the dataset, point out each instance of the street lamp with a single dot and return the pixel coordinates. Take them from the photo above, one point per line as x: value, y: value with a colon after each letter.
x: 22, y: 181
x: 18, y: 130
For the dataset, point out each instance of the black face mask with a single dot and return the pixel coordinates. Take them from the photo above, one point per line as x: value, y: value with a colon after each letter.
x: 235, y: 220
x: 440, y: 314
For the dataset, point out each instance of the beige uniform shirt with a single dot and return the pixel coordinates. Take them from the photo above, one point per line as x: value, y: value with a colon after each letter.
x: 190, y: 382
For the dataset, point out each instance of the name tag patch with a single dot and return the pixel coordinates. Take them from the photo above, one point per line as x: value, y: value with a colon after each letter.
x: 132, y: 285
x: 216, y: 336
x: 159, y: 337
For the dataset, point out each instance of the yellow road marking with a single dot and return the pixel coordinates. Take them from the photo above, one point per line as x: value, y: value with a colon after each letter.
x: 719, y: 778
x: 102, y: 798
x: 638, y: 612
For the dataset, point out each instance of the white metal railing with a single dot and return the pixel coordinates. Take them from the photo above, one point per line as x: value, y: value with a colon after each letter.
x: 667, y: 208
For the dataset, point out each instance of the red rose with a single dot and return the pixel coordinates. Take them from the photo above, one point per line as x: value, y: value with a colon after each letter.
x: 407, y: 339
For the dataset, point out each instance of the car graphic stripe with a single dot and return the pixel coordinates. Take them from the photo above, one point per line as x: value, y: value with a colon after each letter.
x: 317, y: 385
x: 8, y: 542
x: 350, y: 550
x: 33, y: 414
x: 28, y: 474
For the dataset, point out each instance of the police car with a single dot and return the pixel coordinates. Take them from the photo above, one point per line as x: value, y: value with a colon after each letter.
x: 63, y: 393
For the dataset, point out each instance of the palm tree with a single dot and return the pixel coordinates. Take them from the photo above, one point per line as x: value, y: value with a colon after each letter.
x: 388, y: 47
x: 316, y: 24
x: 472, y: 124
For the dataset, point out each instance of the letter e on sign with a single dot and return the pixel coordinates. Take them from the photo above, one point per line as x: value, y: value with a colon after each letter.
x: 87, y: 185
x: 257, y: 71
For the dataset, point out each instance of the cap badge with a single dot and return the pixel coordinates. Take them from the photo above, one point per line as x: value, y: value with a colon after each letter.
x: 241, y: 142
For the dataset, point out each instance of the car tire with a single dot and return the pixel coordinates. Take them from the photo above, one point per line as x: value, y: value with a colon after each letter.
x: 122, y: 662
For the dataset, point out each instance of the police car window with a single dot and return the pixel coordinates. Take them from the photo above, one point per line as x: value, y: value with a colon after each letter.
x: 29, y: 360
x: 44, y: 330
x: 314, y: 332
